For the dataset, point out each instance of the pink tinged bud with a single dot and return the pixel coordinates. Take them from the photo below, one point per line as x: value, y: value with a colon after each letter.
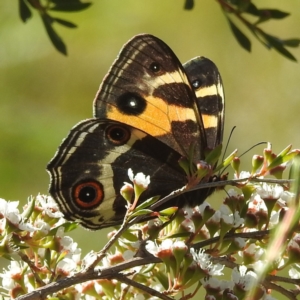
x: 127, y: 192
x: 268, y: 155
x: 203, y: 168
x: 257, y: 162
x: 179, y: 251
x: 236, y: 165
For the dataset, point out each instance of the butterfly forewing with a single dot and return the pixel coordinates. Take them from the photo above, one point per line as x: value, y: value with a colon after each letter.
x: 147, y: 88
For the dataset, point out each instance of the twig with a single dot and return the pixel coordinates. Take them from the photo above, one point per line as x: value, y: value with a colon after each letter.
x: 142, y: 287
x: 90, y: 274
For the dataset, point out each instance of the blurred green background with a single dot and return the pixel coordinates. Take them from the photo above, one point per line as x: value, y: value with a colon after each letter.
x: 43, y: 93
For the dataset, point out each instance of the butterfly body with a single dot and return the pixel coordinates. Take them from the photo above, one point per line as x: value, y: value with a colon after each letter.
x: 148, y: 113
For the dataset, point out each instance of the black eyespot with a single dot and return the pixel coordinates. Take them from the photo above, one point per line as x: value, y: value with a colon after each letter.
x: 155, y: 67
x: 88, y: 195
x: 131, y: 104
x: 117, y: 134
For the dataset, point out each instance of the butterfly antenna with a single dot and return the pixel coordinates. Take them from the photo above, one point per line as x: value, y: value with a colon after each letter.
x: 258, y: 144
x: 230, y: 135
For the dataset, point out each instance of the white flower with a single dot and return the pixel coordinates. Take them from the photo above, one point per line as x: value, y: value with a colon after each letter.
x: 226, y: 216
x: 215, y: 283
x: 67, y: 265
x: 240, y: 242
x: 237, y: 220
x: 269, y: 191
x: 10, y: 211
x: 139, y: 179
x: 245, y: 280
x: 50, y: 206
x: 242, y: 175
x: 287, y: 197
x: 91, y: 257
x: 14, y: 271
x: 257, y: 204
x: 153, y: 248
x: 128, y: 254
x: 255, y: 251
x: 274, y: 218
x: 232, y: 193
x: 294, y: 273
x: 204, y: 262
x: 42, y: 226
x: 165, y: 246
x: 68, y: 245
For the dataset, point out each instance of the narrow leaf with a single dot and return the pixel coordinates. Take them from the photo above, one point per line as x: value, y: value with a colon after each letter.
x: 141, y: 213
x: 69, y: 6
x: 29, y: 209
x: 291, y: 42
x: 240, y: 36
x: 189, y: 4
x: 24, y: 11
x: 277, y: 44
x: 147, y: 203
x: 54, y: 37
x: 65, y: 23
x: 273, y: 13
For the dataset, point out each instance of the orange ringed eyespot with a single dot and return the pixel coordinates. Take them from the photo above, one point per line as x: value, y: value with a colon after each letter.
x: 89, y: 194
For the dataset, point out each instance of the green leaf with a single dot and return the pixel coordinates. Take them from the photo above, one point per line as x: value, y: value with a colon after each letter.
x: 68, y: 226
x: 141, y: 213
x: 240, y: 36
x: 267, y: 14
x: 24, y: 11
x: 277, y: 44
x: 252, y: 10
x: 29, y: 209
x: 69, y: 5
x: 273, y: 13
x: 54, y: 37
x: 147, y: 203
x: 189, y: 4
x: 65, y: 23
x: 291, y: 42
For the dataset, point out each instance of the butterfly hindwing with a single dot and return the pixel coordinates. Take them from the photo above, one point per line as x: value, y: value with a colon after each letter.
x: 91, y: 166
x: 207, y: 83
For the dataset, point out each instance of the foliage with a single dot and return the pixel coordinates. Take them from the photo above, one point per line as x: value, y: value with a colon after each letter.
x: 240, y: 8
x: 253, y: 236
x: 230, y: 8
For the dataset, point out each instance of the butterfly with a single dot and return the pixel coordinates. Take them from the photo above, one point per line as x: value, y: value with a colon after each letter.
x: 149, y: 112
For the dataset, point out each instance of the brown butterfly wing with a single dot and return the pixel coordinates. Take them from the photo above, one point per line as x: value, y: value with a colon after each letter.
x: 147, y: 88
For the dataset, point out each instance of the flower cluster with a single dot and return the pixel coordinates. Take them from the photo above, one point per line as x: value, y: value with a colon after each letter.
x: 240, y: 250
x: 35, y: 240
